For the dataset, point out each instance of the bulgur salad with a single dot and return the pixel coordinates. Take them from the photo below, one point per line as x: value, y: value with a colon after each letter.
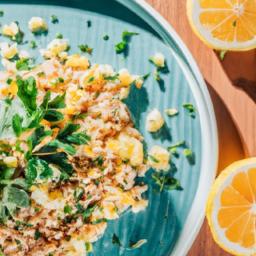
x: 70, y: 157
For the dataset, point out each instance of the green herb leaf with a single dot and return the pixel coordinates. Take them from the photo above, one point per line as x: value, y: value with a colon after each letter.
x: 15, y: 197
x: 23, y: 64
x: 85, y: 48
x: 111, y: 78
x: 54, y: 19
x: 190, y: 109
x: 69, y: 149
x: 189, y: 154
x: 36, y: 118
x: 37, y: 169
x: 32, y: 44
x: 121, y: 47
x: 1, y: 13
x: 165, y: 181
x: 27, y: 92
x: 38, y: 135
x: 59, y: 36
x: 67, y: 209
x: 78, y: 138
x: 58, y: 102
x: 17, y: 124
x: 68, y: 130
x: 53, y: 116
x: 152, y: 158
x: 78, y: 193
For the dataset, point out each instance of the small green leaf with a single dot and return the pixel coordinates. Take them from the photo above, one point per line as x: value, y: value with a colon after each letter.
x: 152, y: 158
x: 58, y: 102
x: 78, y: 138
x: 27, y: 92
x: 68, y: 130
x: 121, y: 47
x: 37, y: 169
x: 67, y: 209
x: 78, y: 193
x: 15, y: 196
x: 23, y: 64
x: 54, y: 19
x: 17, y: 124
x: 53, y: 116
x: 85, y: 48
x: 32, y: 44
x: 65, y: 147
x: 190, y: 109
x: 189, y: 154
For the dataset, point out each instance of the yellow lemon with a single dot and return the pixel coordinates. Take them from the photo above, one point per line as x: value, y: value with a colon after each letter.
x: 224, y: 24
x: 231, y: 208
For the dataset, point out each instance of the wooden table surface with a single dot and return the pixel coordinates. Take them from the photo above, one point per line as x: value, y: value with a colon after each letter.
x: 230, y: 83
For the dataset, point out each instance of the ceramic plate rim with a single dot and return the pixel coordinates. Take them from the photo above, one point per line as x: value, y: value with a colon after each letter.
x: 209, y: 132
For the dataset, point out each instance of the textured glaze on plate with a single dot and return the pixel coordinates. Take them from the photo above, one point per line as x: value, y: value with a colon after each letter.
x: 164, y: 219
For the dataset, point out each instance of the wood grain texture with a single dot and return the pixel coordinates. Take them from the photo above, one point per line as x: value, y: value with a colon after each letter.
x: 231, y: 87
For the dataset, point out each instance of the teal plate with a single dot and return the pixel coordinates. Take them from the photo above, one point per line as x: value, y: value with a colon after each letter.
x: 172, y: 219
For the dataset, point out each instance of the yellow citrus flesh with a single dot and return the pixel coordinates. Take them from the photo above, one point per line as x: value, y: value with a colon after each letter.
x: 224, y: 24
x: 231, y: 208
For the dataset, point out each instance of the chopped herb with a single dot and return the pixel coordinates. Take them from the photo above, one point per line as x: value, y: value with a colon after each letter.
x: 32, y: 44
x: 67, y: 209
x: 152, y: 158
x: 17, y: 124
x: 9, y: 81
x: 78, y: 138
x: 190, y: 109
x: 91, y: 79
x: 59, y: 36
x: 78, y: 193
x: 116, y: 240
x: 99, y: 221
x: 177, y: 145
x: 27, y: 92
x: 99, y: 161
x: 1, y: 13
x: 165, y: 181
x: 189, y: 154
x: 53, y: 116
x: 57, y: 81
x: 58, y: 102
x: 37, y: 169
x: 111, y: 78
x: 106, y: 37
x: 54, y: 19
x: 68, y: 130
x: 37, y: 234
x: 85, y: 48
x: 23, y: 64
x: 222, y: 54
x: 123, y: 46
x: 69, y: 149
